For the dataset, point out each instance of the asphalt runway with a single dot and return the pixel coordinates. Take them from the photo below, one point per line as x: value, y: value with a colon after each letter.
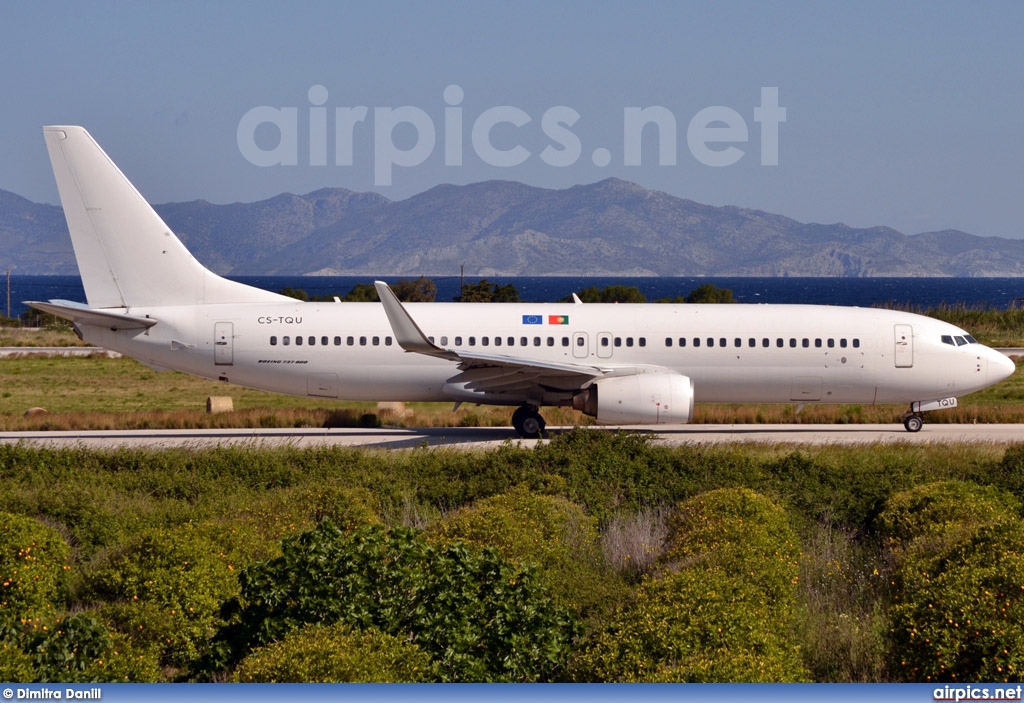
x: 480, y: 438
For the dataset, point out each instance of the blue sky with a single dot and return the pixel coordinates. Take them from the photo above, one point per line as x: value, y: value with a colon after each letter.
x: 903, y: 114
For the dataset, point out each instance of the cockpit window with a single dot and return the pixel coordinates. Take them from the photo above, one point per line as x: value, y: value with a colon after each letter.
x: 960, y: 341
x: 970, y: 339
x: 948, y: 339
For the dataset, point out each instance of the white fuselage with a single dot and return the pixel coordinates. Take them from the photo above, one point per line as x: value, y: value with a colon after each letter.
x: 732, y: 353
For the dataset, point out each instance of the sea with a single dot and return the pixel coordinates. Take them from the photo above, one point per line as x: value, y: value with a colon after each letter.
x: 911, y: 293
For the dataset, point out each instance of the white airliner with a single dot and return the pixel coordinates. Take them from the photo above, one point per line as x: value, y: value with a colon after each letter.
x: 149, y: 298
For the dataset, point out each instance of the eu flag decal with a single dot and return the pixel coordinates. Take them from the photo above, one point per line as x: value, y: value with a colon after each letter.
x: 558, y: 319
x: 533, y: 319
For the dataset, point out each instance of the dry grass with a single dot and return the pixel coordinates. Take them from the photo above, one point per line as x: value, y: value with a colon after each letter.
x: 632, y: 544
x: 95, y: 392
x: 39, y: 337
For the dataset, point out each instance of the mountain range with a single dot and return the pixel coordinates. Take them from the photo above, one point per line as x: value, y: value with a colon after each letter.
x: 503, y: 228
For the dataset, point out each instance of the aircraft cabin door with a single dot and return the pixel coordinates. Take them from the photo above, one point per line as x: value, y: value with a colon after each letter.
x: 580, y: 345
x: 904, y: 354
x: 604, y: 345
x: 223, y: 343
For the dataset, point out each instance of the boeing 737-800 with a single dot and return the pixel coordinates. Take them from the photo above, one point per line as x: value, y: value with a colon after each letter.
x: 149, y: 298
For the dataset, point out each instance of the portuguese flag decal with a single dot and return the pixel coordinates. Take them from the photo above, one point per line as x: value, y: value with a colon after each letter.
x: 558, y: 319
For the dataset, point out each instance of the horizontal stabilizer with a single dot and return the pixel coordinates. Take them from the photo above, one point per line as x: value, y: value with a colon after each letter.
x: 84, y: 315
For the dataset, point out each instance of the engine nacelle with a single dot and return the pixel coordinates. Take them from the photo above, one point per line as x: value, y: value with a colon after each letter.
x: 639, y: 399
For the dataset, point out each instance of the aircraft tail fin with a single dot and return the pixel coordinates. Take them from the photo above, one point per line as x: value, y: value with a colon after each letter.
x: 126, y: 254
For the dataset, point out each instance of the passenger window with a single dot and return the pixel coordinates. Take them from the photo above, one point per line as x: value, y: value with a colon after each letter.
x: 792, y: 343
x: 337, y: 341
x: 737, y: 342
x: 711, y: 341
x: 458, y: 341
x: 362, y: 341
x: 856, y: 343
x: 629, y: 341
x: 668, y: 342
x: 817, y: 344
x: 472, y: 341
x: 831, y: 343
x: 444, y: 340
x: 324, y: 341
x: 298, y: 341
x: 604, y: 341
x: 551, y: 341
x: 751, y: 342
x: 430, y: 339
x: 485, y: 341
x: 778, y: 342
x: 376, y: 341
x: 273, y: 341
x: 682, y: 341
x: 350, y: 341
x: 842, y: 343
x: 524, y: 342
x: 536, y: 341
x: 696, y: 341
x: 765, y: 342
x: 805, y: 342
x: 582, y: 342
x: 618, y: 341
x: 497, y: 341
x: 511, y: 341
x: 286, y: 340
x: 312, y: 340
x: 642, y: 341
x: 387, y: 341
x: 565, y: 341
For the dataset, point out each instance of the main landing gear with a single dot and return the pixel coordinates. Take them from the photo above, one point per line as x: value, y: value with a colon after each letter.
x: 528, y: 422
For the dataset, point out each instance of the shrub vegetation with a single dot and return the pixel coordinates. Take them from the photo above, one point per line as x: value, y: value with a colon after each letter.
x: 885, y: 563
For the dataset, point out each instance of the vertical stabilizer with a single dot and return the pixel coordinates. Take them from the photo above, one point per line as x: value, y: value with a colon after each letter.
x: 126, y: 255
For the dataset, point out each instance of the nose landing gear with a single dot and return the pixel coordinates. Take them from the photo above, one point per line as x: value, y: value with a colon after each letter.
x: 528, y: 422
x: 913, y: 422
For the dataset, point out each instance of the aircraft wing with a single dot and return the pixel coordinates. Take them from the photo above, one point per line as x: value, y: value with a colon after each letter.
x: 84, y: 315
x: 495, y: 373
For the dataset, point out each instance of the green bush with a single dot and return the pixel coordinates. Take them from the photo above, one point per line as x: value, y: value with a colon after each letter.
x: 15, y: 665
x: 942, y: 511
x: 164, y: 590
x: 958, y: 586
x: 724, y: 609
x: 33, y: 562
x: 477, y: 616
x: 694, y: 625
x: 79, y: 649
x: 289, y: 511
x: 551, y: 532
x: 965, y: 620
x: 742, y: 532
x: 335, y: 654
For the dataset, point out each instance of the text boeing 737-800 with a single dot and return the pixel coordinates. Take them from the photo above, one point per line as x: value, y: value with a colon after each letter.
x: 622, y: 364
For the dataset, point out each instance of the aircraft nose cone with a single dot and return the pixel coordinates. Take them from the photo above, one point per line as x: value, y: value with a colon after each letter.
x: 1000, y: 366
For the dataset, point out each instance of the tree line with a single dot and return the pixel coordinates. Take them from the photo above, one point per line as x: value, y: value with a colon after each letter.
x: 424, y: 290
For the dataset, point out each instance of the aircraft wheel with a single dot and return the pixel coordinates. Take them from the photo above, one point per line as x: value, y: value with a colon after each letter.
x: 913, y: 423
x: 528, y: 422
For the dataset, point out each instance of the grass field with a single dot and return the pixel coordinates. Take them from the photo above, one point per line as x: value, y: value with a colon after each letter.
x: 100, y: 393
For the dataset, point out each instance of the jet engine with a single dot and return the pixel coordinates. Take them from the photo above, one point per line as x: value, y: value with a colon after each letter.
x: 639, y: 399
